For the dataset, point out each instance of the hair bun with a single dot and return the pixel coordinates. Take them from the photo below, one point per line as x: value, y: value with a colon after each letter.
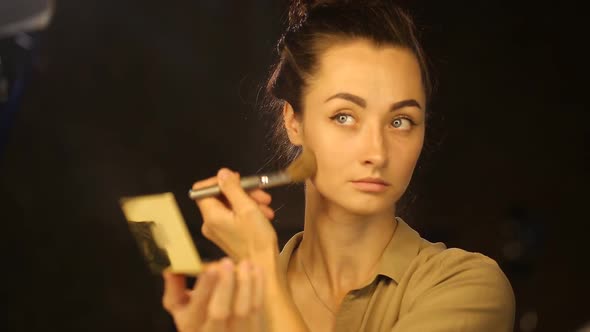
x: 298, y: 11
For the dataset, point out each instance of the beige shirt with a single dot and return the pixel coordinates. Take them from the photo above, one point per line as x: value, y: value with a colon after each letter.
x: 423, y: 286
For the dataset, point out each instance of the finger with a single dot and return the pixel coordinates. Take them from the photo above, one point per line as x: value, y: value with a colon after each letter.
x: 205, y: 183
x: 206, y: 280
x: 214, y: 326
x: 220, y: 304
x: 209, y: 182
x: 175, y: 292
x: 229, y: 183
x: 206, y: 265
x: 260, y: 196
x: 257, y: 287
x: 209, y: 204
x: 202, y: 292
x: 243, y: 296
x: 256, y: 317
x: 213, y: 207
x: 267, y: 211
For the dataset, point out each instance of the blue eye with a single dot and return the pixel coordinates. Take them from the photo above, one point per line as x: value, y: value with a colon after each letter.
x: 343, y: 118
x: 402, y: 123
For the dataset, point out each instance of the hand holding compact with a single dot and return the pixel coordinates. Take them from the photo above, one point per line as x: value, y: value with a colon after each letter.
x: 226, y: 298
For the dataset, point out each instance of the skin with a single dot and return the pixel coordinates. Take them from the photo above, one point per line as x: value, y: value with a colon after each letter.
x: 225, y: 298
x: 348, y: 223
x: 346, y: 227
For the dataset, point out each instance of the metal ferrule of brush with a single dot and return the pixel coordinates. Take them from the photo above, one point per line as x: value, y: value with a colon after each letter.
x: 247, y: 183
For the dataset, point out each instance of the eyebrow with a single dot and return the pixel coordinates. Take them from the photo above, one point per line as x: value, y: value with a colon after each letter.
x: 363, y: 103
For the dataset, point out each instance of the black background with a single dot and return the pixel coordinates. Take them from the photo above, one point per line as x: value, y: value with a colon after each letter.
x: 134, y: 97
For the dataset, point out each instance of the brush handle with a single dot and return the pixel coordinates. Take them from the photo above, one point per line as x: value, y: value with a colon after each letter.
x: 247, y: 183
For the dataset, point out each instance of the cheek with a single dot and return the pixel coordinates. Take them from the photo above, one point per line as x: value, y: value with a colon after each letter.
x: 332, y: 150
x: 332, y: 156
x: 407, y: 154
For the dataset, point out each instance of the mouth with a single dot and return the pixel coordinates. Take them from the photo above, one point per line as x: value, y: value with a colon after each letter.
x: 373, y: 185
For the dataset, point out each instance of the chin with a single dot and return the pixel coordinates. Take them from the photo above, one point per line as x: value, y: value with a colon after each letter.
x: 358, y: 203
x: 367, y: 207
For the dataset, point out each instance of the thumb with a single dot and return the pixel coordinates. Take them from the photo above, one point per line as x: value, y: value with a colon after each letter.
x: 175, y: 292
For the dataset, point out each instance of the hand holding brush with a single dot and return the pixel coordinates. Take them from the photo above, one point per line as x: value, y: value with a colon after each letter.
x: 301, y: 168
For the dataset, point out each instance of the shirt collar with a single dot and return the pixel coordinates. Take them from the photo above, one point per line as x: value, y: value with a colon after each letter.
x: 400, y: 251
x: 287, y: 252
x: 397, y: 256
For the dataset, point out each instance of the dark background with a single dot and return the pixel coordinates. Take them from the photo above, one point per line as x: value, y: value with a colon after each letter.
x: 133, y: 97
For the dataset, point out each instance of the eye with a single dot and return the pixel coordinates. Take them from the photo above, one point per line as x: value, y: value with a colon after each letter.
x: 402, y: 123
x: 343, y: 118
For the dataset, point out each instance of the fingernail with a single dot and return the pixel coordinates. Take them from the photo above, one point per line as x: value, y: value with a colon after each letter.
x: 210, y: 274
x: 227, y: 264
x: 223, y: 174
x: 253, y: 268
x: 246, y: 266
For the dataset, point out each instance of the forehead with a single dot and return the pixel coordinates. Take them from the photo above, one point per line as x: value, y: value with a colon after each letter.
x: 361, y: 67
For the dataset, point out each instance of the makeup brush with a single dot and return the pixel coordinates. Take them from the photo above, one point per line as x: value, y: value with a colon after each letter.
x: 303, y: 167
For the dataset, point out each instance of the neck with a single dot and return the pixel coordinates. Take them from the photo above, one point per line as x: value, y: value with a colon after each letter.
x: 340, y: 250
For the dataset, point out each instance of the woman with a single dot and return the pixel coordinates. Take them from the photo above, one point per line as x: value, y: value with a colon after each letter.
x: 352, y: 85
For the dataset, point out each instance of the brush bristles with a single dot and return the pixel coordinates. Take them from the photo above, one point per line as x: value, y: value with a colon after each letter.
x: 303, y: 167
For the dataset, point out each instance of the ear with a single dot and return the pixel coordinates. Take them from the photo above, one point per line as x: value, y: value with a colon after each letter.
x: 292, y: 125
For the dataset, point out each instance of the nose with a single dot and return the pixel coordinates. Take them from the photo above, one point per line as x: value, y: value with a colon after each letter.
x: 374, y: 147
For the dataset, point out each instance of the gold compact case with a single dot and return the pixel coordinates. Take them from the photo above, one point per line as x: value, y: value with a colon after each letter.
x: 161, y: 233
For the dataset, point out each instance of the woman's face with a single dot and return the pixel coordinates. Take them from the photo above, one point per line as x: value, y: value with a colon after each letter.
x: 364, y: 120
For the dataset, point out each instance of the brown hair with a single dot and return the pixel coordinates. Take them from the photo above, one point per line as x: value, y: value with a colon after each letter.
x: 313, y: 24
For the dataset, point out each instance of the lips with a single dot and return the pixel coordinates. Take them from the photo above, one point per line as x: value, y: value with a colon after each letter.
x: 373, y: 185
x: 373, y: 180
